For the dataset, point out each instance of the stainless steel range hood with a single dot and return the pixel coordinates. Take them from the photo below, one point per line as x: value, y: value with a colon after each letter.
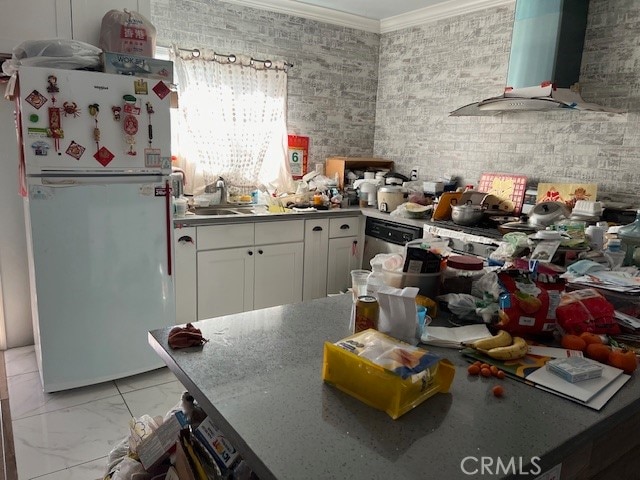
x: 544, y: 63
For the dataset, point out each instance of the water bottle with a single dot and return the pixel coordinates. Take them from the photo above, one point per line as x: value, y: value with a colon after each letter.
x: 375, y: 280
x: 614, y: 253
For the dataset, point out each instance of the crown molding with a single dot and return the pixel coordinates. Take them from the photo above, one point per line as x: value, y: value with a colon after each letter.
x: 440, y: 11
x: 449, y: 8
x: 313, y: 12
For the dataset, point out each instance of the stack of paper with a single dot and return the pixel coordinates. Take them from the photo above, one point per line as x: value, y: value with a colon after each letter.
x: 616, y: 281
x: 454, y: 337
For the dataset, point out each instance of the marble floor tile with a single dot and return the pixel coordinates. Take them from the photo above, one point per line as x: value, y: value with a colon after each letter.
x: 69, y: 437
x: 85, y: 471
x: 157, y: 400
x: 20, y: 360
x: 27, y: 398
x: 144, y: 380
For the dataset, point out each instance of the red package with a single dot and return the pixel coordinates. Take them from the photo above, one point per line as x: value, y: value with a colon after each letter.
x: 586, y: 311
x: 528, y: 306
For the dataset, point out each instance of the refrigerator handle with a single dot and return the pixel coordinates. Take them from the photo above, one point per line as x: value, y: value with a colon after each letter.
x: 168, y: 214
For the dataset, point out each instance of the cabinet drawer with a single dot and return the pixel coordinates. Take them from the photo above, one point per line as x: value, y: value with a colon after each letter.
x: 279, y: 232
x: 225, y: 236
x: 344, y: 227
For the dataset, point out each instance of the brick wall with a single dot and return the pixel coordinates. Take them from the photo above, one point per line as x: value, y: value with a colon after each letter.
x: 332, y: 86
x: 347, y: 84
x: 428, y: 71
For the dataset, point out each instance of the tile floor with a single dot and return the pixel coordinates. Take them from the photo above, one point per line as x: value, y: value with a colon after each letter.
x: 68, y: 435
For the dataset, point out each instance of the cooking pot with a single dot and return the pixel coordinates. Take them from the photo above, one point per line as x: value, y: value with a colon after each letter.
x: 467, y: 214
x: 544, y: 214
x: 390, y: 198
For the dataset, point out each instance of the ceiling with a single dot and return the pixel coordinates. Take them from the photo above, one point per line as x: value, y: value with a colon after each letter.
x: 379, y: 16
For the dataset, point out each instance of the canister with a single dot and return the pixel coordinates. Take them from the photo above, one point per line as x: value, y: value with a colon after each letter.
x: 460, y: 273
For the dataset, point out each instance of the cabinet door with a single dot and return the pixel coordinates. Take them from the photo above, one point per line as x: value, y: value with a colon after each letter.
x: 184, y: 245
x: 278, y: 274
x: 87, y: 15
x: 33, y: 20
x: 225, y: 281
x: 316, y: 250
x: 344, y: 255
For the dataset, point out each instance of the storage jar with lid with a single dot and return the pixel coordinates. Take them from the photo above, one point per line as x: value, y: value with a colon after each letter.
x: 630, y: 237
x: 460, y: 273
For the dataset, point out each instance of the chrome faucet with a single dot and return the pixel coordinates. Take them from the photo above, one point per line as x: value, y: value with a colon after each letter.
x: 222, y: 188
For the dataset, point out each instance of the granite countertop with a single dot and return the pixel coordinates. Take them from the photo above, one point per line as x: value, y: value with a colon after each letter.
x: 259, y: 378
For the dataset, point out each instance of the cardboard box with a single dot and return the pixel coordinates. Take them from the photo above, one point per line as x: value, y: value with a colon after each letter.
x: 126, y: 64
x: 157, y: 446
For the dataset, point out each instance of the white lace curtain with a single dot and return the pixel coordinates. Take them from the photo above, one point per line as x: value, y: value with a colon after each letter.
x: 231, y: 121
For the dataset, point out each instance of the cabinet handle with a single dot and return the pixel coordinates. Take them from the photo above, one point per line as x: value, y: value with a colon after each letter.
x: 344, y: 226
x: 250, y: 252
x: 317, y: 229
x: 185, y: 239
x: 260, y: 252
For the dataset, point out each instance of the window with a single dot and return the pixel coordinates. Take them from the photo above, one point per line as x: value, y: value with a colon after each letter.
x: 231, y: 121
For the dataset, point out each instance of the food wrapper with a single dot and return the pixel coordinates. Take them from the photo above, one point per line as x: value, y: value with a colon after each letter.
x: 384, y: 372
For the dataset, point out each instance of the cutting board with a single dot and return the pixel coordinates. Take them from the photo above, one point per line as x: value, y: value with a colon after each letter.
x: 508, y: 188
x: 443, y: 209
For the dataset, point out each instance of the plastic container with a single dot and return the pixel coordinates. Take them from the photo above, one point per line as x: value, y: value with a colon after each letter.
x: 428, y: 283
x: 630, y: 237
x: 614, y: 253
x: 388, y: 390
x: 460, y: 273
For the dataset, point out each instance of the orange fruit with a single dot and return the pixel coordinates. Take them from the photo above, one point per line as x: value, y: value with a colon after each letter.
x: 498, y: 391
x: 473, y: 370
x: 573, y: 342
x: 624, y: 359
x: 598, y: 352
x: 591, y: 337
x: 485, y: 372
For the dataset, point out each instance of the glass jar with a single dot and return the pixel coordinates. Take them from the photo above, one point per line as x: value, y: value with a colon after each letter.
x: 460, y: 273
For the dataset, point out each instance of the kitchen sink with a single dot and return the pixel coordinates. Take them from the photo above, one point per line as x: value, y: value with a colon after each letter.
x: 223, y: 210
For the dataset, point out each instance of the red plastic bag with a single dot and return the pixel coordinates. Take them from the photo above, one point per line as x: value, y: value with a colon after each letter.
x: 527, y: 306
x: 586, y: 311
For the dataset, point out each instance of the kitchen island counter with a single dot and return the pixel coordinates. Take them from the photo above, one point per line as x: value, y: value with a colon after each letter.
x: 259, y: 378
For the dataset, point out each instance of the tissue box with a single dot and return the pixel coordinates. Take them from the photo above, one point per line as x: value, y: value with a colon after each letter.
x: 401, y: 377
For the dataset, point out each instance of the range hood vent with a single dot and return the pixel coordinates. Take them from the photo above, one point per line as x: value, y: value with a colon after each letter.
x: 544, y: 63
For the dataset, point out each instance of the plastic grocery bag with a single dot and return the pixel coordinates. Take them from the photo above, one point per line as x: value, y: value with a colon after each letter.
x: 123, y: 31
x: 55, y: 53
x: 586, y: 310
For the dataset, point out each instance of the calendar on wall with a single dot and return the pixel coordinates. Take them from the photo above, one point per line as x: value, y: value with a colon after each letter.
x: 298, y: 155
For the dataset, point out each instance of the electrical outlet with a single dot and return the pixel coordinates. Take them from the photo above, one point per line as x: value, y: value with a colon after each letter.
x: 414, y: 173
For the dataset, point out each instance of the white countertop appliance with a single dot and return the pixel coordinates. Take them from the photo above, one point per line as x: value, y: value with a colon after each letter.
x: 96, y: 151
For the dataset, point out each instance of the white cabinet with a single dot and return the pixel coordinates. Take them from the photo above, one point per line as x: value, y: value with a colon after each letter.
x: 87, y: 15
x: 33, y: 20
x: 185, y: 258
x: 316, y: 251
x: 45, y: 19
x: 346, y: 242
x: 265, y: 271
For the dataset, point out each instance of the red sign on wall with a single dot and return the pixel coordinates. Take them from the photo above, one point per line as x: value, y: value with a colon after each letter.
x: 298, y: 156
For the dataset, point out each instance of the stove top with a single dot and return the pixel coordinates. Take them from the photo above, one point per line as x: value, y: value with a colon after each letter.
x: 478, y: 240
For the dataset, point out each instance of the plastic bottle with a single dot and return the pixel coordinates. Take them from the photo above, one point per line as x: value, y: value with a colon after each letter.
x: 375, y: 280
x: 630, y: 236
x: 614, y: 254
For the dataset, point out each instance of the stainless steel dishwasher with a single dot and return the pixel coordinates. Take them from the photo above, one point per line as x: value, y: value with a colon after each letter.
x: 385, y: 236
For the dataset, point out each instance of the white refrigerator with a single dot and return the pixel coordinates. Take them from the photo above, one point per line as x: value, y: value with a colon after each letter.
x: 96, y: 157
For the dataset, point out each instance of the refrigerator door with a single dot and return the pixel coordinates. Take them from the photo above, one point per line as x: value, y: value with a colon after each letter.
x: 101, y: 270
x: 61, y: 110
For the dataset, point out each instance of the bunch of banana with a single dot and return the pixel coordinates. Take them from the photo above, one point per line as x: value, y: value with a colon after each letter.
x: 502, y: 346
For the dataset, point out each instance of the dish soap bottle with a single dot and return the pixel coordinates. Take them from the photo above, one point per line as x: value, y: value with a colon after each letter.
x: 375, y: 280
x: 630, y: 237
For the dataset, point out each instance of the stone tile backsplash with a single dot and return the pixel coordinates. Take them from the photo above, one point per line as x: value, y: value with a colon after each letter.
x: 359, y: 93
